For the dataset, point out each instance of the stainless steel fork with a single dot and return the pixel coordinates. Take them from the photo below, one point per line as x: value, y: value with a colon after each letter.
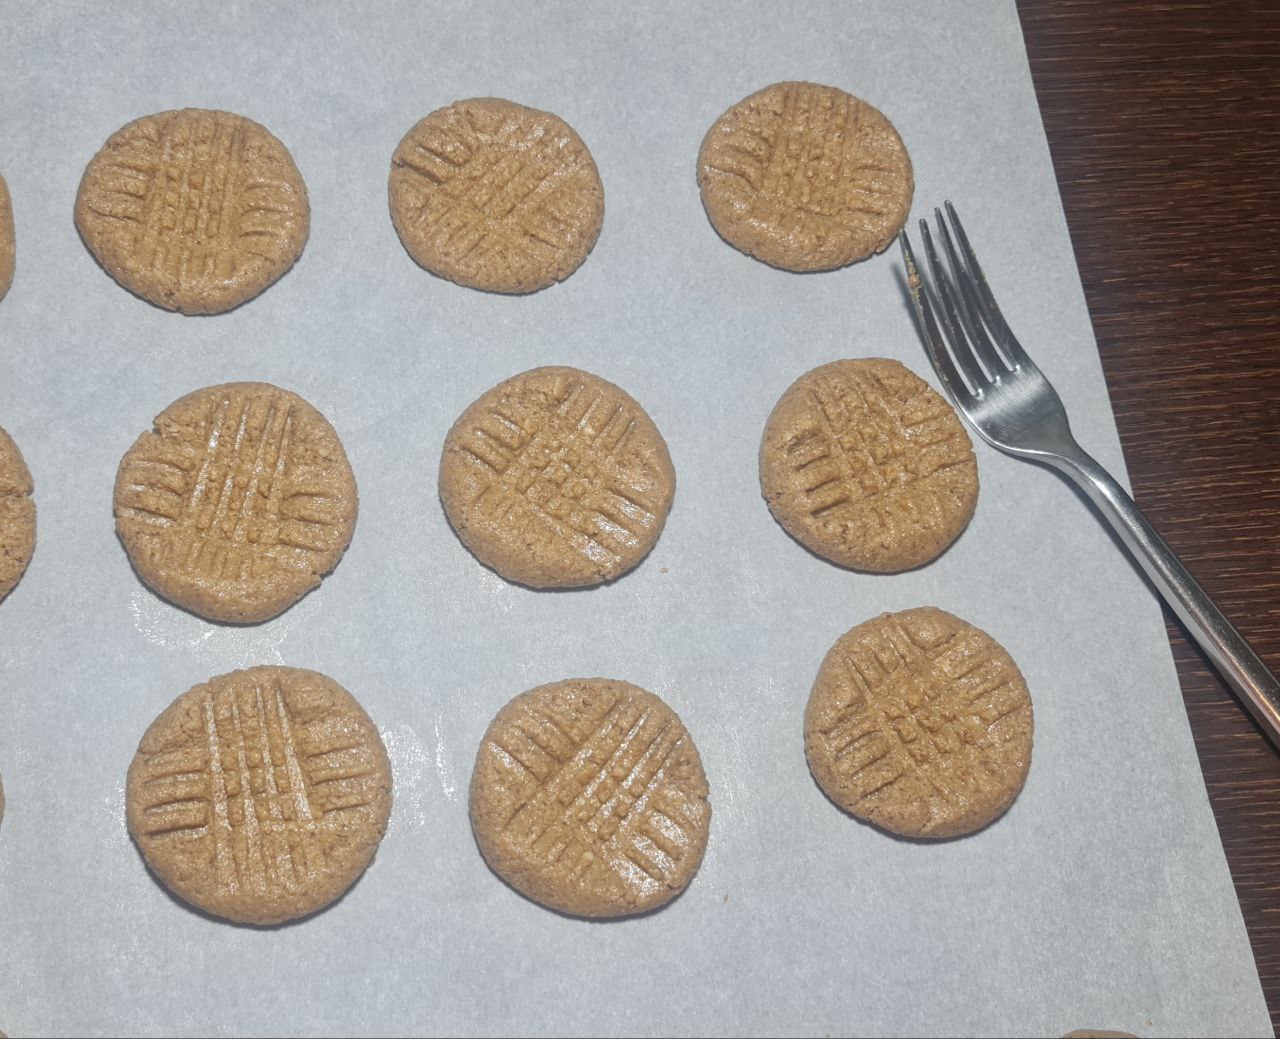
x: 1007, y: 399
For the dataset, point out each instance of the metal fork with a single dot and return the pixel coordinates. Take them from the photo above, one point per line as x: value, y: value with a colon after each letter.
x: 1007, y: 399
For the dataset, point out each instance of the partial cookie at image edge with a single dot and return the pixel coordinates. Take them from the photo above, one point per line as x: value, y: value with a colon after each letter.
x: 17, y: 516
x: 8, y: 240
x: 1098, y: 1033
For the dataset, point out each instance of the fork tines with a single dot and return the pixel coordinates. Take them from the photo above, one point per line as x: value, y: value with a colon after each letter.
x: 982, y: 347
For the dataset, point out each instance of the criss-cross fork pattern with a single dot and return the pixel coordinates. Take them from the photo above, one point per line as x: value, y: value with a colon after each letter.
x: 486, y: 191
x: 251, y: 787
x: 596, y: 793
x: 865, y: 442
x: 919, y: 713
x: 216, y: 502
x: 188, y: 197
x: 800, y: 158
x: 560, y: 471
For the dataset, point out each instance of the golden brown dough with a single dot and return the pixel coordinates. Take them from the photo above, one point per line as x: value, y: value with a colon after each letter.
x: 194, y: 210
x: 260, y: 796
x: 1098, y: 1033
x: 17, y: 515
x: 865, y: 464
x: 557, y: 479
x: 237, y: 502
x: 805, y: 177
x: 8, y: 245
x: 588, y: 796
x: 496, y: 196
x: 919, y: 723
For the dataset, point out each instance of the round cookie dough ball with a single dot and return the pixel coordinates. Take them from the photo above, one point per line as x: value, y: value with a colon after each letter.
x: 260, y: 796
x: 17, y: 515
x: 496, y: 196
x: 237, y: 502
x: 588, y: 796
x: 557, y: 479
x: 194, y: 210
x: 865, y: 464
x: 919, y: 723
x: 805, y: 177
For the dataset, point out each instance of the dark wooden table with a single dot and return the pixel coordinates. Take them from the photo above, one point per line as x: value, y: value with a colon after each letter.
x: 1164, y: 123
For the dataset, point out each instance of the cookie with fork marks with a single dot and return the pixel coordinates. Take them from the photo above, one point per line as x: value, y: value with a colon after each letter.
x: 805, y: 177
x: 496, y: 196
x: 556, y: 478
x: 920, y: 723
x: 588, y: 796
x: 865, y: 464
x: 194, y: 210
x: 237, y: 502
x: 260, y: 796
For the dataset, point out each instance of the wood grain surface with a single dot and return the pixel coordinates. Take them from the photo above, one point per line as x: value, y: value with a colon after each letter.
x: 1164, y: 123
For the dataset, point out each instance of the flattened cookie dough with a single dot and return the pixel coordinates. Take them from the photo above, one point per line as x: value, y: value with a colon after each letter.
x: 496, y: 196
x: 7, y: 241
x: 588, y: 796
x: 865, y: 464
x: 919, y: 723
x: 805, y: 177
x: 17, y: 515
x: 557, y: 479
x: 194, y: 210
x: 237, y: 503
x: 260, y: 796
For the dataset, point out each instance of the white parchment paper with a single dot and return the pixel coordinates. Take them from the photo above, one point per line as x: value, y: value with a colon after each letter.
x: 1102, y: 899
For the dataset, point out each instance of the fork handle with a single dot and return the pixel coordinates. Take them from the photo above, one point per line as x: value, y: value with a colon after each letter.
x: 1252, y: 680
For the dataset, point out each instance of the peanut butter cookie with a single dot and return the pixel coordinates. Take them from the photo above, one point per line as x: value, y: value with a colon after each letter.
x: 557, y: 479
x: 17, y: 515
x: 496, y: 196
x: 919, y: 723
x: 588, y: 796
x: 7, y: 241
x: 260, y: 796
x: 237, y: 503
x: 805, y: 177
x: 865, y: 464
x: 194, y: 210
x: 1098, y: 1033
